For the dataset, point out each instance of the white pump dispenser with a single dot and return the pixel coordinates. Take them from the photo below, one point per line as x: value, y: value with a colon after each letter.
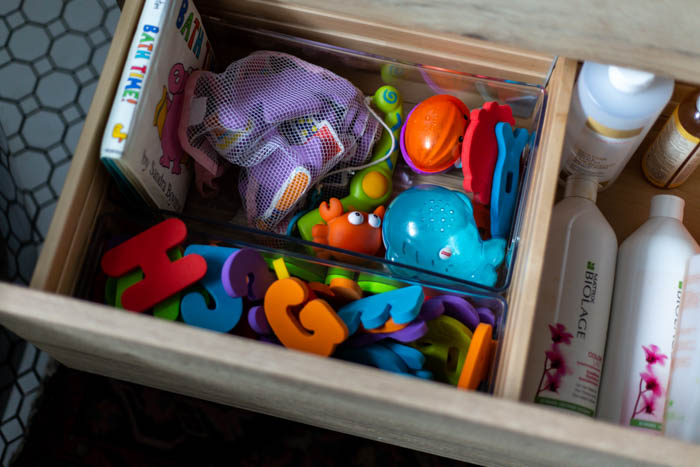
x: 612, y: 110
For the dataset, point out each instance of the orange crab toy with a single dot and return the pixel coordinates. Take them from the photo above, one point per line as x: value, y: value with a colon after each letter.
x: 355, y: 230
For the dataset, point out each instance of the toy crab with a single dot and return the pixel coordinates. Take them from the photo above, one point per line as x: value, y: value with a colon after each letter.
x: 355, y: 230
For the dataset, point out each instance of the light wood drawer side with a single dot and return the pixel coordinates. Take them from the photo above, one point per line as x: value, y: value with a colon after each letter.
x: 332, y: 394
x: 522, y: 295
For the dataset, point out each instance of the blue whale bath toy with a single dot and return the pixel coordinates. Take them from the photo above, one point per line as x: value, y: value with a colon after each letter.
x: 433, y: 228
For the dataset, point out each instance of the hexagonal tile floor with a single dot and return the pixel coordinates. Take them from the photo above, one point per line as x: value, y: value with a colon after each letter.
x: 51, y: 54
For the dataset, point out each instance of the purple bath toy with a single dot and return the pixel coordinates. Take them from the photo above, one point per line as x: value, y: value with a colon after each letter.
x: 452, y: 306
x: 245, y: 274
x: 285, y: 121
x: 486, y: 316
x: 258, y: 320
x: 410, y: 333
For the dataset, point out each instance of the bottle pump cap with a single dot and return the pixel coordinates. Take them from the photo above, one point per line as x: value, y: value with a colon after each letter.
x: 667, y: 206
x: 581, y: 186
x: 629, y: 80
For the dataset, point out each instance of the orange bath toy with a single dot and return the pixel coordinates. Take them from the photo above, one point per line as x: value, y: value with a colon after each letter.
x: 431, y: 138
x: 355, y: 230
x: 317, y: 329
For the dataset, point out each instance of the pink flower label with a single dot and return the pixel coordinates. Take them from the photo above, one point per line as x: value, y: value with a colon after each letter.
x: 555, y: 371
x: 648, y: 406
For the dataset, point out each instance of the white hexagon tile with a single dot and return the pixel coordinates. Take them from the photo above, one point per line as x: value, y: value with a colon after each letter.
x: 51, y: 54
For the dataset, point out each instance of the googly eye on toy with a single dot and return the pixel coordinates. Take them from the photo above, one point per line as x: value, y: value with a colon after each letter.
x: 349, y: 231
x: 356, y: 218
x: 374, y: 221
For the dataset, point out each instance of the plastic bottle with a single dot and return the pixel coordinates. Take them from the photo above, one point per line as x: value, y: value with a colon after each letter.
x: 675, y: 153
x: 651, y: 266
x: 612, y: 110
x: 682, y: 419
x: 573, y: 302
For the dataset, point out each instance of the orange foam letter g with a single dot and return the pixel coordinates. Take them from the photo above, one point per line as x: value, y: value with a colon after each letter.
x: 328, y: 330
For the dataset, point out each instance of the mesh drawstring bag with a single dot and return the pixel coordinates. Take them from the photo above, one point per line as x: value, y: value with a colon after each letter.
x: 286, y: 122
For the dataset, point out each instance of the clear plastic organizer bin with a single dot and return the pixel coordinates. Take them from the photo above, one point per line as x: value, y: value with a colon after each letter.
x: 415, y: 83
x: 116, y: 227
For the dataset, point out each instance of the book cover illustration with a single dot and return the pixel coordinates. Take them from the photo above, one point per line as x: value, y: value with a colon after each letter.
x: 167, y: 118
x: 140, y: 147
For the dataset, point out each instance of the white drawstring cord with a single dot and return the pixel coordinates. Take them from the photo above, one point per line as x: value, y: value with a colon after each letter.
x: 367, y: 101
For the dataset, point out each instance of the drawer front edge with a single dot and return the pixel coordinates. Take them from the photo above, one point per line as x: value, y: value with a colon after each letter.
x: 329, y: 393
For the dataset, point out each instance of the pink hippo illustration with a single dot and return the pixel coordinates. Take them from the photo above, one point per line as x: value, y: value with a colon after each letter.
x: 167, y: 117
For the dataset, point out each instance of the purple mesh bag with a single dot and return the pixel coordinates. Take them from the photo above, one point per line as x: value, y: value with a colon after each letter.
x: 285, y: 121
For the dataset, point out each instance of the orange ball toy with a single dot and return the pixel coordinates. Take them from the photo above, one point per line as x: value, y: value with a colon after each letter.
x: 431, y: 138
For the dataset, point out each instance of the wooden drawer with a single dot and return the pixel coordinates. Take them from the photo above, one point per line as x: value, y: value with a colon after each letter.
x: 326, y: 392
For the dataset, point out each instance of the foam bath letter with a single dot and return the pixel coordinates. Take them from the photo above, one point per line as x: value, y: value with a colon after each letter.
x: 317, y: 316
x: 162, y: 277
x: 226, y: 310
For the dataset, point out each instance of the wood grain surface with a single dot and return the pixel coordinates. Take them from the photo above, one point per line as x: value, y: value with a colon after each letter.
x: 522, y: 295
x: 656, y: 35
x: 361, y: 32
x: 409, y: 412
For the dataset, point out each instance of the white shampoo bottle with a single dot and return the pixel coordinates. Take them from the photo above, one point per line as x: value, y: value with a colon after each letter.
x: 573, y: 305
x: 651, y: 266
x: 682, y: 418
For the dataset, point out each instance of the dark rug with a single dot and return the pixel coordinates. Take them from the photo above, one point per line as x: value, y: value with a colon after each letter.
x: 87, y: 420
